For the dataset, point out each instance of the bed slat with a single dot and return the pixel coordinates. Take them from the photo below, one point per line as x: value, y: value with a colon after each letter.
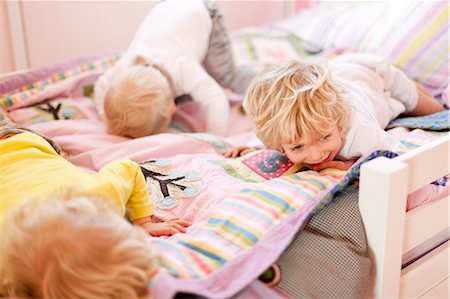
x: 427, y: 163
x: 425, y: 221
x: 425, y: 274
x: 384, y: 187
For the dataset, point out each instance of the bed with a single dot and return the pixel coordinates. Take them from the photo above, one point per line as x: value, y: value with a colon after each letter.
x: 409, y: 250
x: 223, y: 196
x: 392, y: 233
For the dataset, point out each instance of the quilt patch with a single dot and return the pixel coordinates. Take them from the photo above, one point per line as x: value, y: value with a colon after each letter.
x: 259, y: 166
x: 168, y: 185
x: 57, y: 109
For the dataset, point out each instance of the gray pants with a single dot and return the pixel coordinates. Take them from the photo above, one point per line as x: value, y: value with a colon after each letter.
x: 8, y: 127
x: 219, y: 61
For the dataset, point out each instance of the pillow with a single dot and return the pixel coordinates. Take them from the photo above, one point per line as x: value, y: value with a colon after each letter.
x: 340, y: 25
x: 418, y: 44
x: 411, y: 35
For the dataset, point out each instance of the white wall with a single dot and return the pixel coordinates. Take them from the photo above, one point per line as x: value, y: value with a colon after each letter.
x: 57, y: 30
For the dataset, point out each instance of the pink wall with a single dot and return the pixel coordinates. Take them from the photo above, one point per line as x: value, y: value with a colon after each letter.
x: 238, y: 14
x: 6, y: 57
x: 59, y: 30
x: 302, y: 4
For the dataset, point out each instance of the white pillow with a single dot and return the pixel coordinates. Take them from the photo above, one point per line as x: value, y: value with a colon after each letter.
x: 418, y: 44
x: 340, y: 25
x: 413, y: 35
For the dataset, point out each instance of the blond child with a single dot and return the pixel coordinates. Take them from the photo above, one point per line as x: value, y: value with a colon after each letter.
x: 74, y: 247
x: 182, y: 47
x: 316, y: 113
x: 71, y: 248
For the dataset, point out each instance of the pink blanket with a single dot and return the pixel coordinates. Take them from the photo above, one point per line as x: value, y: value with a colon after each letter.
x: 245, y: 211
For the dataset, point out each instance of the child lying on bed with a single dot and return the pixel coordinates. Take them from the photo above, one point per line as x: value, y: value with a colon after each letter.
x: 182, y: 47
x: 316, y: 113
x: 72, y: 248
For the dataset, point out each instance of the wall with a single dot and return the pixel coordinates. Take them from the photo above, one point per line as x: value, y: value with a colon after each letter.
x: 238, y: 14
x: 57, y: 30
x: 6, y: 57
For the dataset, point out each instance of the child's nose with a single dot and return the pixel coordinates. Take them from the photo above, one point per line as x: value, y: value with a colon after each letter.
x: 316, y: 152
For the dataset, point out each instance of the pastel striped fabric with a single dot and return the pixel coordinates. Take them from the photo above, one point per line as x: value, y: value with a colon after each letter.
x: 21, y: 94
x: 242, y: 220
x: 413, y: 35
x: 418, y: 138
x: 419, y: 43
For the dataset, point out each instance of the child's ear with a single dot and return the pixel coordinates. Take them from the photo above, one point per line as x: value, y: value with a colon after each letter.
x: 140, y: 60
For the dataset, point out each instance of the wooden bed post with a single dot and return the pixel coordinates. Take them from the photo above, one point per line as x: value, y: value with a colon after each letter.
x: 382, y: 179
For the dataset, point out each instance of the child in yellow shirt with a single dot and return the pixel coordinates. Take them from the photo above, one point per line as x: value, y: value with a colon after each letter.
x: 77, y: 246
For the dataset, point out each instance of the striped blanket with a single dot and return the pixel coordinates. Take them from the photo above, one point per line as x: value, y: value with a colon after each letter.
x: 242, y: 222
x: 244, y: 211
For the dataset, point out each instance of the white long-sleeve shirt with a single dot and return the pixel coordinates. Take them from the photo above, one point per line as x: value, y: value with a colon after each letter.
x: 175, y: 34
x: 378, y: 92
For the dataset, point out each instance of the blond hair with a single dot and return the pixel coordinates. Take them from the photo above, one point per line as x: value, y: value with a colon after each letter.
x: 74, y: 247
x: 294, y: 100
x: 137, y: 101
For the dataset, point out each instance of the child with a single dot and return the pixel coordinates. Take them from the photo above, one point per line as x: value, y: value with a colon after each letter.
x: 165, y: 60
x: 316, y: 114
x: 73, y: 248
x: 71, y: 245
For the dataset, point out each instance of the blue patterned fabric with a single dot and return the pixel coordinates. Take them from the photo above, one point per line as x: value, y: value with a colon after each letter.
x: 438, y: 121
x: 350, y: 176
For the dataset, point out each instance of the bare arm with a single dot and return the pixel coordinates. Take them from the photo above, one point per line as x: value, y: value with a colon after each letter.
x: 426, y: 104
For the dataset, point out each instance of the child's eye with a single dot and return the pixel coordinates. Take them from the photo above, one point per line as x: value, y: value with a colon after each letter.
x: 298, y: 148
x: 326, y: 137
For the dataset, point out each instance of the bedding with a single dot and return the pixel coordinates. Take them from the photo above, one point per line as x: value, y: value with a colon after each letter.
x: 329, y: 244
x: 413, y: 35
x: 245, y: 211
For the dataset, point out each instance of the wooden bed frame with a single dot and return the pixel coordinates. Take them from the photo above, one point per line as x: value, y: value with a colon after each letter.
x: 392, y: 232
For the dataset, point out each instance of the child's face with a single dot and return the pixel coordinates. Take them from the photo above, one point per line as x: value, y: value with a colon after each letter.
x: 315, y: 152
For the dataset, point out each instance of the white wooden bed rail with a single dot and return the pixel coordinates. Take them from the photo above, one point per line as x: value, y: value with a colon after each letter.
x: 384, y: 186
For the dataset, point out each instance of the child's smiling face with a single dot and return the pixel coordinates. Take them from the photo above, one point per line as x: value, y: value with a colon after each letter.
x: 315, y: 152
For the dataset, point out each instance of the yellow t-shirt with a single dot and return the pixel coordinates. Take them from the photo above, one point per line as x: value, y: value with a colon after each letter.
x: 31, y: 169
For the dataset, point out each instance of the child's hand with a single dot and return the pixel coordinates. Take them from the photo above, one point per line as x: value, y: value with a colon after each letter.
x: 237, y: 151
x: 341, y: 165
x: 163, y: 228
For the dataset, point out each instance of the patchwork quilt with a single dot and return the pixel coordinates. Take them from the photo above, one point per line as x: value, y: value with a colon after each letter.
x: 245, y: 211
